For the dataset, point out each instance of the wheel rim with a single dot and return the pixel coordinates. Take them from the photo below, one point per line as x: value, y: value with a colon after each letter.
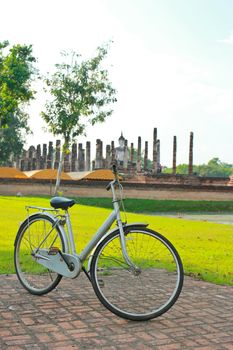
x: 150, y: 292
x: 34, y: 276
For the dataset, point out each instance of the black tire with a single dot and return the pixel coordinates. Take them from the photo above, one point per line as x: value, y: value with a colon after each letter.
x: 133, y: 296
x: 34, y: 277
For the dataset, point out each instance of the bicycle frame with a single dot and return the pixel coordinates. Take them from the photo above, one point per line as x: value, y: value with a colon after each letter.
x: 69, y: 237
x: 102, y: 231
x: 69, y: 263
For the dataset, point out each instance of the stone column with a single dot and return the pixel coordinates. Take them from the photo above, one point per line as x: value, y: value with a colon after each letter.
x: 30, y: 152
x: 81, y: 157
x: 25, y: 161
x: 139, y: 157
x: 190, y: 170
x: 146, y: 157
x: 174, y: 156
x: 41, y: 167
x: 57, y: 154
x: 113, y: 152
x: 34, y: 163
x: 32, y: 158
x: 74, y: 161
x: 38, y: 157
x: 50, y: 156
x: 22, y: 164
x: 126, y: 156
x: 29, y: 164
x: 99, y: 154
x: 108, y: 157
x: 88, y: 156
x: 44, y: 156
x: 155, y: 160
x: 131, y: 153
x: 159, y: 169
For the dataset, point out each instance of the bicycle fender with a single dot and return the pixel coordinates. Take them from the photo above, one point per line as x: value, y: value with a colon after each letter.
x: 30, y: 217
x: 126, y: 226
x: 22, y: 224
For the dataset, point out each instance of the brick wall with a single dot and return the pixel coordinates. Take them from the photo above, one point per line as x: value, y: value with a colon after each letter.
x: 132, y: 190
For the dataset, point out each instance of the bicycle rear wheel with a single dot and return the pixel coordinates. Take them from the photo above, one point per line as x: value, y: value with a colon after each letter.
x: 137, y: 296
x: 36, y: 232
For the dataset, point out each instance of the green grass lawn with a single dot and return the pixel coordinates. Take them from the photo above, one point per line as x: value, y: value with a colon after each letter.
x: 163, y: 206
x: 206, y: 248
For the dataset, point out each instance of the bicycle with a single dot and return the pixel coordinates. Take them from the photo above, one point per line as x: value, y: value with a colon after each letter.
x: 135, y: 271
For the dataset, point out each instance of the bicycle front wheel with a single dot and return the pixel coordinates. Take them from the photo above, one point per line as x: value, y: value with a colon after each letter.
x: 38, y: 232
x: 136, y: 295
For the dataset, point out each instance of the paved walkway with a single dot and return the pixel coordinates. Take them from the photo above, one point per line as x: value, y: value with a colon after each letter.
x: 72, y: 318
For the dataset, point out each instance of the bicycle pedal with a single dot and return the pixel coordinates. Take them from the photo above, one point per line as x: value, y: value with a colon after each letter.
x: 54, y: 251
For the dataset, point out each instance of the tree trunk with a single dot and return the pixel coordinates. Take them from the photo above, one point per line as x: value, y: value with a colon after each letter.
x: 59, y: 170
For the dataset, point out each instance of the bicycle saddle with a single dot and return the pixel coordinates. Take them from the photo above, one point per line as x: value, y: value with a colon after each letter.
x: 62, y: 203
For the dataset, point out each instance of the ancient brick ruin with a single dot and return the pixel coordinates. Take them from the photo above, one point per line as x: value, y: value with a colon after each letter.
x: 128, y: 157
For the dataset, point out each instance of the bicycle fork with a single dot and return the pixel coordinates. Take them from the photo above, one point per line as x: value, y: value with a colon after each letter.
x: 134, y: 268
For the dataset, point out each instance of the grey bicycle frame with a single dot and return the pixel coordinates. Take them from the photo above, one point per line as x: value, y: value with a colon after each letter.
x: 69, y: 237
x: 114, y: 216
x: 70, y: 264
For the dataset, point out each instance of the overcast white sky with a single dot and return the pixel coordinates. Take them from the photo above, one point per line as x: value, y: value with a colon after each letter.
x: 171, y: 63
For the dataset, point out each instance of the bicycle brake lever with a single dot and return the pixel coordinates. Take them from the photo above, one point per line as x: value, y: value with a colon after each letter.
x: 114, y: 169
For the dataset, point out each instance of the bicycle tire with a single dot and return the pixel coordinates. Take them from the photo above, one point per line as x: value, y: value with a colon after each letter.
x: 131, y: 296
x: 34, y: 277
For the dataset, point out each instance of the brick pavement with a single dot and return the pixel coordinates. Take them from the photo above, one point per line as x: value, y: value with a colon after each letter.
x: 72, y: 318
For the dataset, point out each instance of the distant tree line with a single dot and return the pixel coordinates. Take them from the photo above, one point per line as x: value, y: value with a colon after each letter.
x: 215, y: 167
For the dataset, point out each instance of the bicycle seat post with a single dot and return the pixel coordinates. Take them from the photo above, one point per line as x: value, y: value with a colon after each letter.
x: 70, y: 232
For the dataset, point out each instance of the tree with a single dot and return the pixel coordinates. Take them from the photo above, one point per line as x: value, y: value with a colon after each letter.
x: 16, y: 75
x: 213, y: 168
x: 12, y: 140
x: 81, y: 94
x: 16, y: 71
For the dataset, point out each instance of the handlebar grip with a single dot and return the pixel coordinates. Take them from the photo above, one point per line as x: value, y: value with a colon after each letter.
x: 114, y: 168
x: 108, y: 186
